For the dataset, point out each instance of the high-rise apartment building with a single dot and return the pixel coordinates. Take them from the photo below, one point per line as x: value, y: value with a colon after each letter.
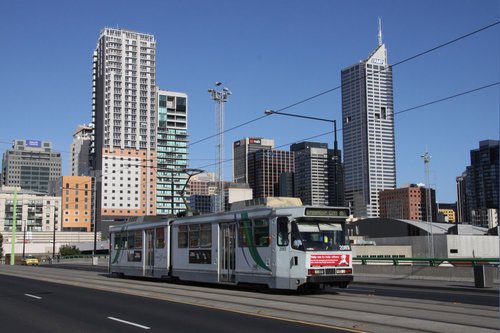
x: 241, y: 149
x: 368, y: 132
x: 31, y: 165
x: 480, y: 182
x: 264, y: 169
x: 125, y: 124
x: 80, y: 151
x: 171, y: 152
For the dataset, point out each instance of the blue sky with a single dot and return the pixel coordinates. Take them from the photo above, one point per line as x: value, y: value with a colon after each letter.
x: 271, y: 54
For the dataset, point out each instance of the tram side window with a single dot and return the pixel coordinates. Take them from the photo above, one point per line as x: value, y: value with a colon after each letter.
x: 282, y: 226
x: 138, y: 240
x: 120, y: 240
x: 130, y: 240
x: 244, y: 233
x: 253, y: 233
x: 194, y: 235
x: 160, y: 238
x: 206, y: 235
x: 182, y: 238
x: 261, y: 232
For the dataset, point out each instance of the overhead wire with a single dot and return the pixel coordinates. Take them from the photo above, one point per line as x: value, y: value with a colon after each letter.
x: 395, y: 113
x: 359, y: 78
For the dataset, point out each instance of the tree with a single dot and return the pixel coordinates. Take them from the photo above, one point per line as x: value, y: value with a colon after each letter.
x: 1, y: 245
x: 68, y: 250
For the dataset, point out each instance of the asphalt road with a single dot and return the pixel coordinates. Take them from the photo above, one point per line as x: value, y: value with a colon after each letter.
x: 168, y: 307
x: 457, y: 295
x: 37, y: 306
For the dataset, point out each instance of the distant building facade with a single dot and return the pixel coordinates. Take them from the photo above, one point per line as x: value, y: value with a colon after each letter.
x: 34, y: 211
x: 264, y: 169
x: 201, y: 203
x: 237, y: 192
x: 80, y: 162
x: 286, y: 184
x: 478, y: 186
x: 202, y: 184
x: 311, y: 172
x: 76, y: 202
x: 461, y: 198
x: 448, y: 211
x: 203, y: 188
x: 31, y: 165
x: 241, y: 149
x: 408, y: 203
x: 318, y: 174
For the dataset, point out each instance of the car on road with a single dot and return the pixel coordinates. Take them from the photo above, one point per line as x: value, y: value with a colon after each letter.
x: 30, y: 260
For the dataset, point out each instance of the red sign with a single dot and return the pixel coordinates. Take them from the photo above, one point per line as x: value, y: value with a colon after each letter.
x: 321, y: 260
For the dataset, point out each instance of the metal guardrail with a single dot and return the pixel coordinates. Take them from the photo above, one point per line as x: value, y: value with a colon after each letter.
x: 433, y: 262
x: 84, y: 256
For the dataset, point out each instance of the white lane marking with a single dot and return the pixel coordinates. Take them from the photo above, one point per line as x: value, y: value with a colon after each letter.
x: 129, y: 323
x: 37, y: 297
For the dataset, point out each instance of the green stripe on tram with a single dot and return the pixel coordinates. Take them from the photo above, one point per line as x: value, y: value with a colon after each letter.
x: 120, y: 247
x: 247, y: 228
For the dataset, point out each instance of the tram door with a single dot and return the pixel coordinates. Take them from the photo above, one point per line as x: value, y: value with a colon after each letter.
x: 149, y: 255
x: 227, y: 251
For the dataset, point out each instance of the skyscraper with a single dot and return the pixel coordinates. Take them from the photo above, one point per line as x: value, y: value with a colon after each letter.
x: 241, y: 149
x: 31, y: 165
x: 479, y: 205
x: 125, y: 124
x: 171, y: 151
x: 368, y: 131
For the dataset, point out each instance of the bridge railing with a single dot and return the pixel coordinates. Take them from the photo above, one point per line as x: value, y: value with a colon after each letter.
x: 81, y: 258
x: 433, y: 262
x: 84, y: 256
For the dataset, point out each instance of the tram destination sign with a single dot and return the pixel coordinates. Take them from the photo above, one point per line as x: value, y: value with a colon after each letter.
x: 342, y: 212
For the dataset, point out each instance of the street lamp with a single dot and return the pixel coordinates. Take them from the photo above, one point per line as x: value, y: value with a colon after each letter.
x: 54, y: 241
x: 24, y: 241
x: 336, y: 154
x: 190, y: 173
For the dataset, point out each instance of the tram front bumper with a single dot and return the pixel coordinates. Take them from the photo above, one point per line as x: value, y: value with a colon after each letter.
x: 329, y: 279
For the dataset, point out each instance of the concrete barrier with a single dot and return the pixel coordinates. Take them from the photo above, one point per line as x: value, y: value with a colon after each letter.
x: 453, y: 274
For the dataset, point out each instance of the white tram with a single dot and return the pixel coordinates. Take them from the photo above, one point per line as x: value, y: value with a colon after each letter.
x: 277, y: 245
